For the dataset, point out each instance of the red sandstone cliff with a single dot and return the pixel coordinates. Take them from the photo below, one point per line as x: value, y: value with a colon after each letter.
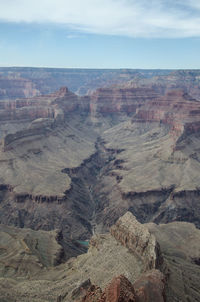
x: 176, y: 108
x: 118, y: 100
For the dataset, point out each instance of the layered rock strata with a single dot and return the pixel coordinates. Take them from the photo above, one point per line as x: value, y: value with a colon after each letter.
x: 29, y: 81
x: 103, y: 264
x: 142, y: 166
x: 137, y: 239
x: 115, y: 100
x: 176, y: 109
x: 115, y: 270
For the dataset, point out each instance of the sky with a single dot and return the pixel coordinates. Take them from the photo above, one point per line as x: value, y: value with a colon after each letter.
x: 147, y: 34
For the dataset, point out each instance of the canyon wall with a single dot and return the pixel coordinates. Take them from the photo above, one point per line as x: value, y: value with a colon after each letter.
x: 115, y: 150
x: 116, y: 100
x: 136, y: 237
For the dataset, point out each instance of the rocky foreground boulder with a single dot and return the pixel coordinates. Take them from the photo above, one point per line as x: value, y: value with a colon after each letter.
x: 149, y: 287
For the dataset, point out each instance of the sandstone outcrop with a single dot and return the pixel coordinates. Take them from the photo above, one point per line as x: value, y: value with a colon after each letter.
x: 137, y: 239
x: 119, y: 290
x: 176, y: 109
x: 116, y: 100
x: 149, y: 287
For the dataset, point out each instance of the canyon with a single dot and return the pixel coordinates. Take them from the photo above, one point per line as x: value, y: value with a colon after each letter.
x: 114, y: 162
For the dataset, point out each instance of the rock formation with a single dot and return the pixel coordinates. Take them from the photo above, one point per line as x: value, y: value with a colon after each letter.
x: 83, y: 149
x: 176, y: 109
x: 108, y: 272
x: 103, y: 265
x: 115, y: 100
x: 149, y: 287
x: 137, y: 239
x: 28, y: 82
x: 12, y: 87
x: 119, y: 290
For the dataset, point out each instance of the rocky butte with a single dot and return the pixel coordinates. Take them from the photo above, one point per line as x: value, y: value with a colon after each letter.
x: 72, y: 166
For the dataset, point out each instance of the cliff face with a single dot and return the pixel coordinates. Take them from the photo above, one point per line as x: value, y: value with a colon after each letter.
x: 47, y: 80
x: 10, y: 88
x: 46, y: 106
x: 176, y: 109
x: 128, y: 148
x: 62, y: 128
x: 129, y: 232
x: 186, y: 80
x: 73, y: 280
x: 115, y: 100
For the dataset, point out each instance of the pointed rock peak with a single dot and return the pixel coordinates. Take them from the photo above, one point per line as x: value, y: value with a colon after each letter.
x: 120, y: 289
x: 62, y: 91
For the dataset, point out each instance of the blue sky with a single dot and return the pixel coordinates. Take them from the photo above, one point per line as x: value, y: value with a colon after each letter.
x: 100, y: 34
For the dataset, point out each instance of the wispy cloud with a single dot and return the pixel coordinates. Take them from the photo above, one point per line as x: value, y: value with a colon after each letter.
x: 134, y: 18
x: 74, y: 36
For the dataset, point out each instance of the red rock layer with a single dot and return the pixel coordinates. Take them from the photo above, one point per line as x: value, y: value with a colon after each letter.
x: 148, y: 288
x: 37, y: 107
x: 10, y: 87
x: 115, y: 100
x: 119, y: 290
x: 103, y: 101
x: 176, y: 109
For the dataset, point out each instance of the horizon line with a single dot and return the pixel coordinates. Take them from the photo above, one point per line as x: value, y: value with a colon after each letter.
x: 99, y: 68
